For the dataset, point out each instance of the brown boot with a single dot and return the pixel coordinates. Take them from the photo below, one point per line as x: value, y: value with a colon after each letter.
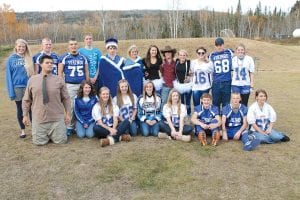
x: 104, y: 142
x: 125, y: 138
x: 215, y: 138
x: 202, y: 138
x: 107, y: 141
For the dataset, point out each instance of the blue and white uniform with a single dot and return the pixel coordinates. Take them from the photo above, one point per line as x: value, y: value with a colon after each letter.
x: 110, y: 72
x: 15, y: 75
x: 206, y: 116
x: 173, y: 113
x: 133, y: 73
x: 241, y: 74
x: 93, y: 56
x: 127, y: 108
x: 234, y: 118
x: 54, y: 56
x: 221, y: 85
x: 148, y: 109
x: 83, y: 109
x: 222, y: 62
x: 74, y: 67
x: 106, y: 119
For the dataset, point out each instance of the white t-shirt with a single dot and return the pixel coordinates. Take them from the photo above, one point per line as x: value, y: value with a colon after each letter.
x: 201, y: 75
x: 241, y: 70
x: 261, y: 117
x: 106, y: 119
x: 172, y: 112
x: 127, y: 108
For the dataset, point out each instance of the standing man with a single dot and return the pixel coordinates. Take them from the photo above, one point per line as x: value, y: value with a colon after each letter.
x: 46, y: 50
x: 48, y: 99
x: 93, y: 55
x: 110, y: 67
x: 75, y: 68
x: 221, y: 85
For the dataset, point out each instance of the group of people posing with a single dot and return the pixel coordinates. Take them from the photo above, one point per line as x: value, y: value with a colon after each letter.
x: 114, y: 98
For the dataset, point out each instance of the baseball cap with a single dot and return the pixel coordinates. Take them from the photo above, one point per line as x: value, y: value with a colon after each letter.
x: 219, y: 41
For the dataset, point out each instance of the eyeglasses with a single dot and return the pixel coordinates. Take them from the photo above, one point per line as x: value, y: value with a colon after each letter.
x: 112, y: 47
x: 200, y: 52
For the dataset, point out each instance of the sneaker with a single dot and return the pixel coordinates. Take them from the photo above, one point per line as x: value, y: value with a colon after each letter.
x: 125, y: 137
x: 251, y: 145
x: 162, y: 135
x: 202, y: 138
x: 69, y: 132
x: 22, y: 135
x: 186, y: 138
x: 285, y: 139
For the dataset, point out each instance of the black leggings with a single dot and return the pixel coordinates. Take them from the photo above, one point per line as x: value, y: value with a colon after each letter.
x: 245, y: 98
x: 101, y: 132
x: 20, y: 114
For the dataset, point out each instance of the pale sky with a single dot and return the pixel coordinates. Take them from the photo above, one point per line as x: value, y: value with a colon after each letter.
x: 218, y: 5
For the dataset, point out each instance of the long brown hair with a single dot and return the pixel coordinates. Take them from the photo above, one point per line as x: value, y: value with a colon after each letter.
x: 153, y: 91
x: 103, y: 105
x: 148, y: 56
x: 169, y: 101
x: 120, y: 102
x: 80, y: 90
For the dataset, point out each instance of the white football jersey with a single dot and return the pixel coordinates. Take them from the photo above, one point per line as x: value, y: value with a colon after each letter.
x: 201, y: 75
x: 241, y: 70
x: 172, y: 112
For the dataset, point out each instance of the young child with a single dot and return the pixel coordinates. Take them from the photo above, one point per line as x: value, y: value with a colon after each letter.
x: 234, y: 123
x: 107, y: 127
x: 174, y: 113
x: 261, y: 116
x: 149, y: 110
x: 83, y: 105
x: 207, y: 120
x: 127, y: 103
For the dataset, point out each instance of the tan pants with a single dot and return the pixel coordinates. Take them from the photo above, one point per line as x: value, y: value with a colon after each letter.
x: 72, y: 90
x: 43, y: 132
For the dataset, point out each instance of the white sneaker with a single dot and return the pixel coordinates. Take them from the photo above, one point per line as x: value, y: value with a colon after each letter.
x: 162, y: 135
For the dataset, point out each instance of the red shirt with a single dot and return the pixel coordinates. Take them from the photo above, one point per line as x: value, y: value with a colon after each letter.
x: 168, y: 73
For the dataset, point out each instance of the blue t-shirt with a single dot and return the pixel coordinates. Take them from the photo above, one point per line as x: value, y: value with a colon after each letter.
x: 74, y: 67
x: 235, y: 118
x: 93, y: 56
x: 222, y: 62
x: 54, y: 56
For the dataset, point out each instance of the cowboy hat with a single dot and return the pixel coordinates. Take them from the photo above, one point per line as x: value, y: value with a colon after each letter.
x: 168, y: 49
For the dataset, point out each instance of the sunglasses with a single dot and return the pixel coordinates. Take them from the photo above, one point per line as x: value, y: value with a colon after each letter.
x: 112, y: 47
x: 200, y: 52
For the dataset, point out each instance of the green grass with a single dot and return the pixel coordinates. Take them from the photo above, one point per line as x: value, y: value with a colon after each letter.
x: 5, y: 50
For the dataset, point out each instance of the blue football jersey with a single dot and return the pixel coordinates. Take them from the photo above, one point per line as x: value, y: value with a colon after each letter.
x: 206, y: 115
x: 234, y: 118
x: 54, y: 56
x: 74, y: 67
x: 222, y: 62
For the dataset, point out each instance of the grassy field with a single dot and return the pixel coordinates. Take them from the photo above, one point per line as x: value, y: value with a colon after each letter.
x: 149, y: 168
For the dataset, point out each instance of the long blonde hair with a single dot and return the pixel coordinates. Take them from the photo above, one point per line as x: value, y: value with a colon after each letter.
x: 103, y: 105
x: 169, y: 102
x: 153, y: 91
x: 27, y: 57
x: 120, y: 102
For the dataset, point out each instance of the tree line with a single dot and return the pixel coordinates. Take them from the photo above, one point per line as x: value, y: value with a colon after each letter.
x: 261, y: 23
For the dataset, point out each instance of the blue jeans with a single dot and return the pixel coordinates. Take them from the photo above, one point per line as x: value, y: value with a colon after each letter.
x: 133, y: 128
x: 165, y: 94
x: 84, y: 132
x: 273, y: 137
x: 186, y: 99
x: 197, y: 95
x: 101, y: 132
x: 221, y: 92
x: 164, y: 127
x: 147, y: 130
